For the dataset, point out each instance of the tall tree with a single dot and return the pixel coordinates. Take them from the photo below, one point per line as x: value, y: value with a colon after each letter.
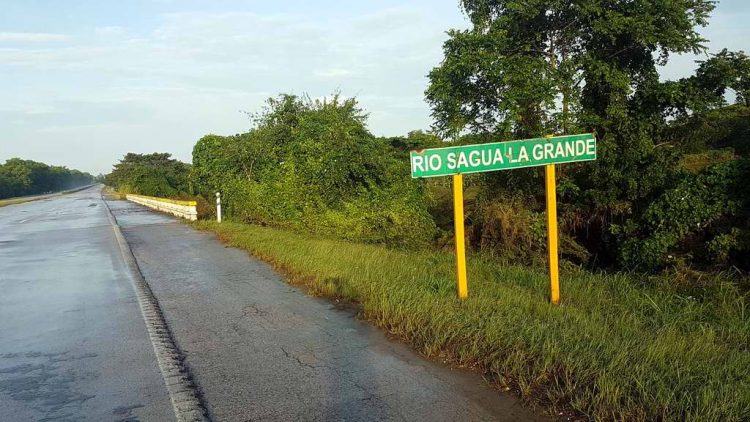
x: 525, y: 68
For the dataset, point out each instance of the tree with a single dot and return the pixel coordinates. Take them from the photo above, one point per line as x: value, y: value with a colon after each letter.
x: 154, y: 174
x: 725, y: 70
x: 527, y: 68
x: 313, y: 165
x: 537, y: 67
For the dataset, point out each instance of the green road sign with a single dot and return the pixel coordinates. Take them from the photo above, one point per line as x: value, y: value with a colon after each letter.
x: 502, y: 155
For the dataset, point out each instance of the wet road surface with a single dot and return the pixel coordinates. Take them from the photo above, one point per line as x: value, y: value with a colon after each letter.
x: 260, y: 349
x: 73, y: 344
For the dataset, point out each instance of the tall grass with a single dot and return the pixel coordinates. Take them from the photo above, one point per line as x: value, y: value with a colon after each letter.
x: 618, y: 348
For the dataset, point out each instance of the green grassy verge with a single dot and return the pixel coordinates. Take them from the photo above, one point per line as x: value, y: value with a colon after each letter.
x: 618, y: 348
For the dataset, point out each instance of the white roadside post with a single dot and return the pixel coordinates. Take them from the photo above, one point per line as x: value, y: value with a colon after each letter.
x: 218, y: 207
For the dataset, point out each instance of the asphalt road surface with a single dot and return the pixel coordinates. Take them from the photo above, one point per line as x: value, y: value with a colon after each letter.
x: 73, y: 344
x: 260, y: 349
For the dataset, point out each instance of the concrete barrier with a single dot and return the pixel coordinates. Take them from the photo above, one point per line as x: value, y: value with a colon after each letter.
x: 184, y: 209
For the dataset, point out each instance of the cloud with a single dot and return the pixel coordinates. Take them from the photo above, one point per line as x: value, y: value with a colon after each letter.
x: 333, y: 73
x: 109, y: 30
x: 41, y: 57
x: 39, y: 37
x: 98, y: 127
x: 163, y: 86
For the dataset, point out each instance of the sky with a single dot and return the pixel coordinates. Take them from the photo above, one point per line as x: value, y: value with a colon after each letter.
x: 84, y: 82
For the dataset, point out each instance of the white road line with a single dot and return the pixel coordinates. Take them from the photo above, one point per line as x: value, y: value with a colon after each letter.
x: 182, y: 391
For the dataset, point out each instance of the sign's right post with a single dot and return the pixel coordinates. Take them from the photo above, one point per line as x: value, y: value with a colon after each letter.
x: 550, y: 190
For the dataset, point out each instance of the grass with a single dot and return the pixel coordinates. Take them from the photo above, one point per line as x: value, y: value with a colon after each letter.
x: 619, y: 347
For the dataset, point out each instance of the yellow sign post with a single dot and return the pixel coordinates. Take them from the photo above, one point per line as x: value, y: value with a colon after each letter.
x: 458, y: 223
x: 551, y: 194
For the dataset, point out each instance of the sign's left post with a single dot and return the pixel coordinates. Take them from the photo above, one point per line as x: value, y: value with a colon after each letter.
x: 458, y: 222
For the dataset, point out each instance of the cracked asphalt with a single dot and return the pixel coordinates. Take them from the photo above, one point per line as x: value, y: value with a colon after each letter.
x: 73, y: 344
x: 260, y: 349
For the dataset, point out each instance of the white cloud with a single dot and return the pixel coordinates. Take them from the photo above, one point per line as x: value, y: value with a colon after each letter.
x: 333, y: 73
x: 110, y: 126
x: 32, y: 37
x: 39, y: 57
x: 107, y: 31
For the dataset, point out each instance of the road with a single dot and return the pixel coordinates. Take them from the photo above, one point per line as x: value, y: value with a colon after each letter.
x: 21, y: 199
x: 261, y: 349
x: 73, y: 343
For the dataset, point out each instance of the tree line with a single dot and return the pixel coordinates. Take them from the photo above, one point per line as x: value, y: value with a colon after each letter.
x: 26, y: 177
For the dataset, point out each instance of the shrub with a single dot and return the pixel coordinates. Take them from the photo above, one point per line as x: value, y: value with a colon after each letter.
x: 312, y: 165
x: 703, y: 217
x: 154, y: 174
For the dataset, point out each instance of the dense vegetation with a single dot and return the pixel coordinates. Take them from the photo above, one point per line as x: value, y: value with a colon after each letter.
x: 313, y: 165
x: 668, y: 185
x: 25, y: 177
x: 667, y: 189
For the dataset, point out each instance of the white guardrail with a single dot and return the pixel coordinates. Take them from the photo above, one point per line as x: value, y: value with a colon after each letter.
x: 184, y: 209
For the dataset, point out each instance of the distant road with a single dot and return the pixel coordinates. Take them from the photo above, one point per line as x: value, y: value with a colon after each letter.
x: 73, y: 344
x: 29, y: 198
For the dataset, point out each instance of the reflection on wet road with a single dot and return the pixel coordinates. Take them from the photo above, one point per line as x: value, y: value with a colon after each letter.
x: 73, y: 345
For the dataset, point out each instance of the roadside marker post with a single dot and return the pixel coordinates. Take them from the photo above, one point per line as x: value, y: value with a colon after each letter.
x: 218, y: 207
x: 461, y: 159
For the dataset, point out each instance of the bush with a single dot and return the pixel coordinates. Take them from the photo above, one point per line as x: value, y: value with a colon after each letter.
x: 314, y: 166
x: 702, y: 219
x: 154, y: 174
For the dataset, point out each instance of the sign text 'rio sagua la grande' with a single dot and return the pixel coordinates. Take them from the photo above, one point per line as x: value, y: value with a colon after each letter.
x: 502, y: 155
